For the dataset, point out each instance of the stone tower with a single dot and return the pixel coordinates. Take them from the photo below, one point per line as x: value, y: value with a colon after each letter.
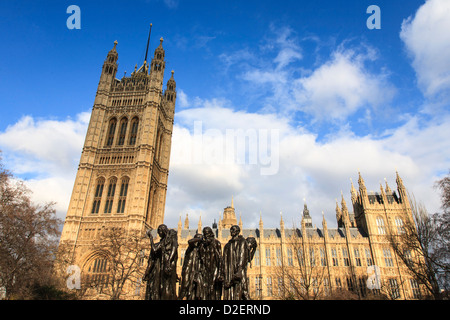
x: 229, y: 216
x: 124, y: 166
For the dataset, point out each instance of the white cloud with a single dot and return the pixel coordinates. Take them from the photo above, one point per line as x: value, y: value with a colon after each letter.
x: 53, y: 144
x: 316, y: 171
x: 310, y: 169
x: 331, y: 91
x: 427, y: 39
x: 182, y: 99
x: 340, y: 87
x: 202, y: 184
x: 46, y: 153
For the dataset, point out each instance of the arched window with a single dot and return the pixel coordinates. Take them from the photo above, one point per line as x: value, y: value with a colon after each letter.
x: 98, y: 195
x: 123, y: 131
x: 123, y: 195
x: 399, y: 224
x: 96, y: 274
x: 159, y: 146
x: 111, y: 131
x: 380, y: 225
x: 110, y: 195
x: 134, y: 130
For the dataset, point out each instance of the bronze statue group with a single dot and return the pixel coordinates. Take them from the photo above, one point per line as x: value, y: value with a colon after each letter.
x: 207, y: 273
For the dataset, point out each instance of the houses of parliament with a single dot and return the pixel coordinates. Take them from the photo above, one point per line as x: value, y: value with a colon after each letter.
x: 122, y: 181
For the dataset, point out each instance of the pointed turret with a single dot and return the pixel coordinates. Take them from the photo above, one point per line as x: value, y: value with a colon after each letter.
x: 261, y: 226
x: 186, y: 222
x: 388, y: 189
x: 306, y: 218
x: 199, y: 226
x: 401, y: 189
x: 345, y: 213
x: 157, y: 66
x: 170, y: 95
x: 339, y: 215
x: 109, y: 69
x: 324, y: 222
x: 362, y: 190
x: 353, y: 192
x: 325, y: 228
x: 383, y: 194
x: 229, y: 216
x: 361, y: 182
x: 240, y: 222
x: 179, y: 225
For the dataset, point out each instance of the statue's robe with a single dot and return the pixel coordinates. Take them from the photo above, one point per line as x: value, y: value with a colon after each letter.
x: 162, y: 269
x: 191, y: 276
x: 211, y: 258
x: 235, y: 259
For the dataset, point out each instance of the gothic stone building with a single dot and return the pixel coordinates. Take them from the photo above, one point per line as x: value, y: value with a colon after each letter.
x: 122, y: 175
x: 324, y: 260
x: 122, y: 181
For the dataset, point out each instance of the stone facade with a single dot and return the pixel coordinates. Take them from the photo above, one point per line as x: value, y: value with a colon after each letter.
x: 122, y: 175
x: 330, y: 258
x: 122, y: 182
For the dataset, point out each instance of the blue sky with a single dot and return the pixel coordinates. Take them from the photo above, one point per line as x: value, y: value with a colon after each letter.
x: 342, y: 97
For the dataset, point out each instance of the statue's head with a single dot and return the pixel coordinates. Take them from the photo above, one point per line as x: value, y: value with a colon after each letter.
x: 208, y: 233
x: 235, y: 230
x: 162, y: 230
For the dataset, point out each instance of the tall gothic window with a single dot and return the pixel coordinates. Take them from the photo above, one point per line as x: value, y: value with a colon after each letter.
x: 334, y: 257
x: 380, y: 225
x: 123, y: 195
x: 388, y: 257
x: 357, y: 257
x: 399, y: 224
x: 134, y: 130
x: 267, y: 256
x: 111, y: 131
x: 123, y: 131
x: 279, y: 258
x: 98, y: 195
x: 312, y: 257
x: 110, y: 195
x: 97, y: 273
x: 269, y: 286
x: 368, y: 257
x: 289, y: 257
x: 323, y: 257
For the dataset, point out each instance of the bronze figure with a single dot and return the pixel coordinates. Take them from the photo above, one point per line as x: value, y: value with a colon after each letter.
x: 235, y: 260
x: 211, y: 265
x: 161, y: 273
x: 191, y: 277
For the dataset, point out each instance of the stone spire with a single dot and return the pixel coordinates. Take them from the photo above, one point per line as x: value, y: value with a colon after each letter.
x: 306, y: 218
x: 186, y: 222
x: 388, y: 190
x: 199, y: 226
x: 338, y: 214
x: 229, y: 216
x: 353, y: 192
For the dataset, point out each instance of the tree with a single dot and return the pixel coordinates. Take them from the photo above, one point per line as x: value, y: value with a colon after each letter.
x: 28, y: 239
x: 122, y: 256
x: 444, y: 186
x: 441, y: 246
x: 303, y: 278
x: 422, y: 244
